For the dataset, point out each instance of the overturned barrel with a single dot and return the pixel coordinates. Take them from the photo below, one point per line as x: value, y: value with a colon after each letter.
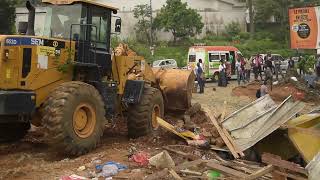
x: 176, y: 86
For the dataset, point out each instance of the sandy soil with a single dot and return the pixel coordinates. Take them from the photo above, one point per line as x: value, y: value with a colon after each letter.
x: 31, y: 158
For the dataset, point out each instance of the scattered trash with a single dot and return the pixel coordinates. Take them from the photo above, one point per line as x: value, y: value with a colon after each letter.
x: 136, y: 170
x: 275, y: 83
x: 73, y: 177
x: 65, y: 160
x: 81, y: 168
x: 294, y: 79
x: 162, y: 160
x: 96, y: 161
x: 110, y: 169
x: 213, y: 175
x: 141, y: 158
x: 200, y: 143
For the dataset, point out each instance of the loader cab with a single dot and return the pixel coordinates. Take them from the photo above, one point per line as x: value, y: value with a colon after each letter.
x: 87, y: 24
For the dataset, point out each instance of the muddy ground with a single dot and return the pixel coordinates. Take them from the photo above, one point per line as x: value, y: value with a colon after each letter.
x: 31, y: 158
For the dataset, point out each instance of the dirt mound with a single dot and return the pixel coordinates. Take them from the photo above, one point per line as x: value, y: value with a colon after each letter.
x: 279, y: 92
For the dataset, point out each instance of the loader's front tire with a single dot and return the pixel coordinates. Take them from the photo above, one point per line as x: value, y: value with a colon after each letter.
x: 142, y: 116
x: 74, y: 118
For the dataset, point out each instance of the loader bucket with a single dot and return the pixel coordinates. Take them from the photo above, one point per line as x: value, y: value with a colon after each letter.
x: 176, y: 86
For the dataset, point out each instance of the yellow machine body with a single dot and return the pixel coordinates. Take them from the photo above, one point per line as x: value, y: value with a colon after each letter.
x: 304, y: 132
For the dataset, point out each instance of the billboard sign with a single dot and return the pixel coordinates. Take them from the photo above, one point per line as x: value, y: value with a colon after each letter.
x: 304, y: 28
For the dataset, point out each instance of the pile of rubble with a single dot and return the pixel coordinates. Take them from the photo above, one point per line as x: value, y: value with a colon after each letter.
x: 215, y: 146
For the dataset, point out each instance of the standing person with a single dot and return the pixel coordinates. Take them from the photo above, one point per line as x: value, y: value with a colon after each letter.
x: 263, y: 89
x: 317, y: 66
x: 268, y: 72
x: 277, y: 67
x: 228, y: 69
x: 257, y: 68
x: 200, y: 77
x: 222, y: 74
x: 247, y: 68
x: 301, y: 65
x: 240, y: 71
x: 204, y: 70
x: 291, y: 63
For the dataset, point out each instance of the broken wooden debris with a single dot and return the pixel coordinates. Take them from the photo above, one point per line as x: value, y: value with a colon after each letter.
x: 289, y: 175
x: 178, y: 168
x: 189, y: 172
x: 185, y: 135
x: 222, y: 134
x: 174, y: 174
x: 188, y: 156
x: 278, y: 162
x: 260, y: 172
x: 225, y: 170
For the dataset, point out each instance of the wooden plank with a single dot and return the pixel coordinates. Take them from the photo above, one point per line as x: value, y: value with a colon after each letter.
x: 186, y: 155
x: 171, y: 128
x: 164, y: 172
x: 245, y: 168
x: 232, y: 142
x: 221, y: 133
x: 260, y: 172
x: 225, y: 170
x: 292, y: 176
x: 174, y: 174
x: 277, y: 161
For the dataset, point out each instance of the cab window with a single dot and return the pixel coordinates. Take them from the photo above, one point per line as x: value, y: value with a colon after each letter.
x: 100, y: 29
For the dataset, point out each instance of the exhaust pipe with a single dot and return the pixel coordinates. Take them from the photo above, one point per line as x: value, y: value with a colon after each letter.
x: 31, y: 18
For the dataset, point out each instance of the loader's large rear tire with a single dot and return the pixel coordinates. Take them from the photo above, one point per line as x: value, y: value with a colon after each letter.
x: 13, y: 131
x: 142, y: 116
x: 74, y: 118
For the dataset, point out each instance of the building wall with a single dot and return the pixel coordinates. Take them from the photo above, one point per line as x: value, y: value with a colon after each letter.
x: 215, y: 15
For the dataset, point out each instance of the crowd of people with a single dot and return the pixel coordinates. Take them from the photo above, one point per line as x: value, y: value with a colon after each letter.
x: 243, y: 67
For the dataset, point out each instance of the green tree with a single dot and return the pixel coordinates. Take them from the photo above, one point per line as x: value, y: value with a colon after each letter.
x: 177, y: 18
x: 7, y: 16
x: 233, y: 29
x: 142, y: 28
x: 278, y: 9
x: 22, y: 3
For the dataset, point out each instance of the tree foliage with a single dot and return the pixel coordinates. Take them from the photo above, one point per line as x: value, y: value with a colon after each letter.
x: 177, y: 18
x: 233, y: 29
x: 142, y: 28
x: 7, y: 16
x: 22, y: 3
x: 278, y: 8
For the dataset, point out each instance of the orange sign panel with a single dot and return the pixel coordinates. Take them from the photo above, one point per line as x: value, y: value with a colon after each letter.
x: 304, y: 28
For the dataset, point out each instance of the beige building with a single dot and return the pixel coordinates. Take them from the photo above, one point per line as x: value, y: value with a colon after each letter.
x: 215, y: 14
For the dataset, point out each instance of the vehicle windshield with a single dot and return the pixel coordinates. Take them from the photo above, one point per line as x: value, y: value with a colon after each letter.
x: 156, y: 63
x: 59, y: 19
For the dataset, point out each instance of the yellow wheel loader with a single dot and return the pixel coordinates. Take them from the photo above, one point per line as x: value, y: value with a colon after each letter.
x: 69, y: 81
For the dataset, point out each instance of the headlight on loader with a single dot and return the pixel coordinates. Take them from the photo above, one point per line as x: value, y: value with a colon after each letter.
x: 6, y: 54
